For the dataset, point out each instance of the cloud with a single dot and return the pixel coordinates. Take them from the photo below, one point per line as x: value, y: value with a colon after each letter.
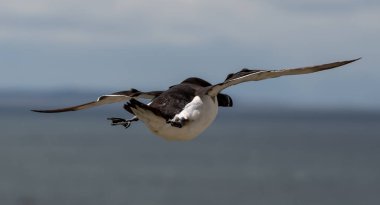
x: 181, y: 22
x: 325, y: 6
x: 118, y: 41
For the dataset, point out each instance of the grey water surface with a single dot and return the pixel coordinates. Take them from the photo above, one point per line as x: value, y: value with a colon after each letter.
x: 263, y: 157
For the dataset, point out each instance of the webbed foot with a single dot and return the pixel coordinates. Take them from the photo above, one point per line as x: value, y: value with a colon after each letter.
x: 120, y: 121
x: 179, y: 122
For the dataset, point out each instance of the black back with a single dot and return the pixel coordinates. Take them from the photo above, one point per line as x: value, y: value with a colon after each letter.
x: 172, y: 101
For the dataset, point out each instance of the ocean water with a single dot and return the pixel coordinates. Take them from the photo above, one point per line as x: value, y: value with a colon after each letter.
x: 308, y: 158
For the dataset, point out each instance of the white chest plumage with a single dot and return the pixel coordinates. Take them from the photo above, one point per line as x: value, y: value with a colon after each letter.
x: 198, y: 114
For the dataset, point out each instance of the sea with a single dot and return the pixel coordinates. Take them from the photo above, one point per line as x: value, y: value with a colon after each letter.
x: 262, y: 156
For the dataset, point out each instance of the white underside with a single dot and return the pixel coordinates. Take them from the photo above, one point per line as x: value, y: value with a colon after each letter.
x: 198, y: 115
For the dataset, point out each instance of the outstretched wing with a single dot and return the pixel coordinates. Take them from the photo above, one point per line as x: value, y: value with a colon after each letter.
x: 121, y: 96
x: 246, y: 75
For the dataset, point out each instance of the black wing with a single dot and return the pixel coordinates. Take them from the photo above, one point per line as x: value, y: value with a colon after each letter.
x: 121, y: 96
x: 246, y: 75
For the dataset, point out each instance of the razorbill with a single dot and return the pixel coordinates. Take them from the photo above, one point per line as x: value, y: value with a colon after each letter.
x: 185, y: 110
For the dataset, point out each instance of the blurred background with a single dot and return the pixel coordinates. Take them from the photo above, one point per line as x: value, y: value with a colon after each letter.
x: 311, y: 139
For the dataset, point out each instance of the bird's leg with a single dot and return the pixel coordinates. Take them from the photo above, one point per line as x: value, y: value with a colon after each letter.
x: 121, y: 121
x: 177, y: 122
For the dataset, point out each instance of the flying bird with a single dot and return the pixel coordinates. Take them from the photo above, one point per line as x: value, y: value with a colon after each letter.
x: 185, y: 110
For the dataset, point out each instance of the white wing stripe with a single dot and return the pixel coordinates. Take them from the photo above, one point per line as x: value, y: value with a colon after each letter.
x: 103, y: 100
x: 265, y: 74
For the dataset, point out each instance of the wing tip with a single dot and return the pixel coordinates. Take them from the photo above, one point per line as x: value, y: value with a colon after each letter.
x: 41, y: 111
x: 36, y: 110
x: 54, y: 111
x: 45, y: 111
x: 342, y: 63
x: 353, y: 60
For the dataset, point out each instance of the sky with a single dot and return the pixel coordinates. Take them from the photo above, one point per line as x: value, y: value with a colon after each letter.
x: 114, y: 45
